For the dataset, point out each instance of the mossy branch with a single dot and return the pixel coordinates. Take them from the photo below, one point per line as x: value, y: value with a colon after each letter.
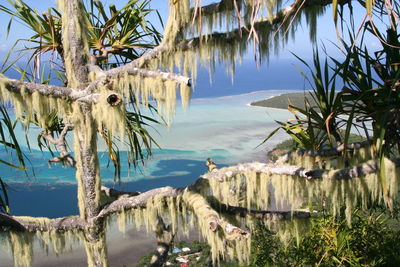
x: 194, y: 200
x: 243, y: 32
x: 239, y: 33
x: 224, y: 174
x: 264, y: 214
x: 130, y: 69
x: 112, y: 193
x: 336, y: 151
x: 19, y: 87
x: 33, y: 224
x: 221, y: 6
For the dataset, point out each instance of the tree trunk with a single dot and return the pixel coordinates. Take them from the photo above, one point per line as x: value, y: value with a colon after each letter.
x: 76, y: 59
x: 76, y: 55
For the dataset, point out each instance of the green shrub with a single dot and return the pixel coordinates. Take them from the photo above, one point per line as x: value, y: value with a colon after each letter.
x: 370, y: 241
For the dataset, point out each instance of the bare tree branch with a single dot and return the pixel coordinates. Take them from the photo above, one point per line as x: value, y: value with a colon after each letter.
x: 61, y: 145
x: 110, y: 192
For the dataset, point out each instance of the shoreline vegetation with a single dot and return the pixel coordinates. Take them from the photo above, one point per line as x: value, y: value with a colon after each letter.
x: 284, y: 100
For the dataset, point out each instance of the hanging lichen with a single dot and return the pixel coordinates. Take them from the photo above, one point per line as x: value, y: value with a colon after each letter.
x: 85, y: 142
x: 214, y: 37
x: 32, y: 107
x: 317, y: 160
x: 96, y: 251
x: 338, y: 192
x: 108, y: 117
x: 179, y: 16
x: 21, y: 246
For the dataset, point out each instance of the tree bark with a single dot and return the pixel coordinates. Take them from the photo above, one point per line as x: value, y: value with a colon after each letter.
x: 76, y: 56
x: 76, y: 59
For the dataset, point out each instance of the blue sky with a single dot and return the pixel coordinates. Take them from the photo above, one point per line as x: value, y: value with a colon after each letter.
x: 299, y: 45
x: 248, y: 77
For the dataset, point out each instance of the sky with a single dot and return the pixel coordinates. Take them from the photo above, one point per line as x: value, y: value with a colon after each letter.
x: 299, y: 45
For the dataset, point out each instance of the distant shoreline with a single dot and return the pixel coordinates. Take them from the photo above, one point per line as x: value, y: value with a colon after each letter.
x: 282, y: 101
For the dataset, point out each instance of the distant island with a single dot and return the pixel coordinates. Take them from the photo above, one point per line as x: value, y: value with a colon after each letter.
x: 283, y: 101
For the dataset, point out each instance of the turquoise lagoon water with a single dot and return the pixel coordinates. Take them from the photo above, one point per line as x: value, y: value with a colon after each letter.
x: 226, y: 129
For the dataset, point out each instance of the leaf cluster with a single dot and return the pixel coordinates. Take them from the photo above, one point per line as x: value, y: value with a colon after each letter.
x: 368, y: 102
x: 115, y: 37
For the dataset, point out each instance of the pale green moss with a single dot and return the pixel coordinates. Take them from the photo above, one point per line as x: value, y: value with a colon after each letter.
x: 96, y: 252
x: 21, y: 246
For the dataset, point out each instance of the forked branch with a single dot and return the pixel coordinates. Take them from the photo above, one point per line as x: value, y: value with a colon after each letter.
x: 61, y: 145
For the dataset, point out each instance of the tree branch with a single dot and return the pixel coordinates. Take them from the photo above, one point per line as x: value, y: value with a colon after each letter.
x: 327, y: 152
x: 193, y: 199
x: 131, y: 69
x: 222, y: 6
x: 16, y: 86
x: 267, y: 168
x: 165, y: 238
x: 32, y: 224
x: 224, y: 174
x: 263, y: 214
x: 139, y: 201
x: 61, y: 145
x: 187, y: 44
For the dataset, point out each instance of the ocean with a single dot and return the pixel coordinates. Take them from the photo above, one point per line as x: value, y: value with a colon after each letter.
x: 219, y: 123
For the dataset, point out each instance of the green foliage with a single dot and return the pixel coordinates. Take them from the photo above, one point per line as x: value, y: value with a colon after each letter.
x: 284, y: 100
x: 9, y: 141
x: 316, y: 124
x: 328, y: 103
x: 124, y: 34
x: 4, y: 203
x: 282, y: 148
x: 290, y: 145
x: 371, y: 92
x: 372, y: 240
x: 369, y: 101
